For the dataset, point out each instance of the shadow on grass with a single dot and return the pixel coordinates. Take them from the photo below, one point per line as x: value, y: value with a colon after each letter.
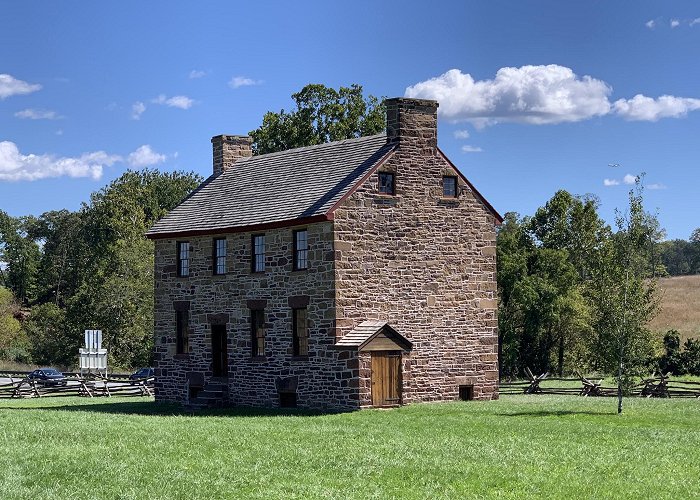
x: 151, y: 408
x: 554, y: 413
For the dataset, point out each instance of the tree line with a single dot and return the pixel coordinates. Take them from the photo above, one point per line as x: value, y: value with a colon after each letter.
x: 66, y: 271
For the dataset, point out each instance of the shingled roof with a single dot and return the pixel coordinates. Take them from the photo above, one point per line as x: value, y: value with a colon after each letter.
x: 362, y: 335
x: 303, y: 183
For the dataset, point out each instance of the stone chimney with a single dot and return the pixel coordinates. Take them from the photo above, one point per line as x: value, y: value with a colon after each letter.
x: 229, y: 148
x: 412, y: 123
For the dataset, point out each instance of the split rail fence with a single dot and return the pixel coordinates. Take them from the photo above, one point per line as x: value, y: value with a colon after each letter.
x: 659, y: 386
x: 19, y: 385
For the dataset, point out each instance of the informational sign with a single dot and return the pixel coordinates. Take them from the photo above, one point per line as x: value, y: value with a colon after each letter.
x: 93, y: 358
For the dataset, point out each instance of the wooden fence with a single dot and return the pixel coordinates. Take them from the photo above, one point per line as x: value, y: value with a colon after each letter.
x: 19, y: 385
x: 659, y: 386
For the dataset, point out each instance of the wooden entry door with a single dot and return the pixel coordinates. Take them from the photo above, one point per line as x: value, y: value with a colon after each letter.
x: 219, y: 351
x: 386, y: 378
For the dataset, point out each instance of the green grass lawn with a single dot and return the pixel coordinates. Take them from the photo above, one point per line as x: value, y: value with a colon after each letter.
x: 520, y: 446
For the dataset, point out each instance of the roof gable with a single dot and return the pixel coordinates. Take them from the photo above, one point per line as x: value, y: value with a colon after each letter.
x: 368, y: 332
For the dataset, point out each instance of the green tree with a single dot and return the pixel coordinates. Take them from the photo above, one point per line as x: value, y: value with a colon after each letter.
x: 322, y: 114
x: 13, y: 341
x: 625, y: 295
x: 19, y: 256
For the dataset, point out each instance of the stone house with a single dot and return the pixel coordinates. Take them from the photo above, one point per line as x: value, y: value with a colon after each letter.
x: 354, y: 274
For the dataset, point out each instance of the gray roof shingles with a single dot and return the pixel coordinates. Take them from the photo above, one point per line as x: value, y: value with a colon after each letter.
x: 276, y: 187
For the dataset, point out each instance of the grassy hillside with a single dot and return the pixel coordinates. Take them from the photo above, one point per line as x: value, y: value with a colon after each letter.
x: 680, y: 306
x: 518, y: 447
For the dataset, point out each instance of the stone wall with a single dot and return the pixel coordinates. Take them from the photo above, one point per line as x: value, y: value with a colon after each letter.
x: 326, y: 379
x: 424, y: 263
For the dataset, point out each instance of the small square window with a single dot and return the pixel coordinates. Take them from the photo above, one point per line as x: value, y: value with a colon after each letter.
x: 449, y: 186
x: 387, y: 183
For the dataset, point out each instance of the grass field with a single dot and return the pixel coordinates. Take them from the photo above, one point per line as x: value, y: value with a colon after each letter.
x: 680, y: 306
x: 518, y: 447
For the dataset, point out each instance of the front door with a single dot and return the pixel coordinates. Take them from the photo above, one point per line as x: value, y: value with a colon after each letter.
x: 219, y: 351
x: 386, y: 378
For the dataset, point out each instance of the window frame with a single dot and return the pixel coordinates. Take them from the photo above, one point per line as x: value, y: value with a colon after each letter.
x: 393, y: 183
x: 300, y: 343
x: 180, y: 261
x: 456, y: 186
x: 257, y: 333
x: 182, y: 332
x: 218, y: 270
x: 254, y: 255
x: 298, y: 252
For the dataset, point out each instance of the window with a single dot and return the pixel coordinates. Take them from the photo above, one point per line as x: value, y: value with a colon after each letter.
x: 300, y: 332
x: 386, y: 183
x: 258, y: 257
x: 182, y: 334
x: 449, y: 186
x: 220, y: 256
x: 301, y: 249
x: 257, y: 329
x: 183, y: 258
x: 466, y: 392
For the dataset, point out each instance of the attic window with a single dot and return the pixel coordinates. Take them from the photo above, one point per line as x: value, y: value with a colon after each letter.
x: 220, y: 256
x: 258, y: 253
x: 387, y: 183
x: 183, y: 258
x: 449, y: 186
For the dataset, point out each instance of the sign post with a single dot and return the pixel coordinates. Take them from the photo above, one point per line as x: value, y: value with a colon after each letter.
x: 93, y: 358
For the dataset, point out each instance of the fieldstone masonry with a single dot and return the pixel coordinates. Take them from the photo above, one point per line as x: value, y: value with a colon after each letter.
x: 424, y: 263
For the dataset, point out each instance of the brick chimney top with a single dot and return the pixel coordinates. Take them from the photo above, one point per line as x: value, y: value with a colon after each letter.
x: 229, y: 148
x: 412, y: 122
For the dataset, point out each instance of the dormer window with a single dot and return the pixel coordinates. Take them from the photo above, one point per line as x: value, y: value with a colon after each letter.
x: 449, y: 186
x: 387, y: 183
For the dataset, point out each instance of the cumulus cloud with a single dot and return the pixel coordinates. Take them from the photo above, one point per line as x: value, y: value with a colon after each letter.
x: 178, y: 101
x: 539, y: 95
x: 37, y: 114
x: 242, y: 81
x: 461, y: 134
x: 471, y: 149
x: 137, y: 109
x: 629, y: 179
x: 675, y: 23
x: 695, y: 21
x: 195, y: 73
x: 643, y: 108
x: 650, y: 24
x: 9, y: 86
x: 15, y: 166
x: 611, y: 182
x: 529, y: 94
x: 144, y: 156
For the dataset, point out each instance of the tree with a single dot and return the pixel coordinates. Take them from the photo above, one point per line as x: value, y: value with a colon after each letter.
x: 13, y: 341
x: 322, y: 114
x: 624, y: 294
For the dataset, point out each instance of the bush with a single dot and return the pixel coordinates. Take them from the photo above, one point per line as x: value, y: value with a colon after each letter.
x: 679, y: 361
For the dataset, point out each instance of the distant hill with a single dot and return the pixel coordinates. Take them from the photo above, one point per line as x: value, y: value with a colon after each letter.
x: 680, y: 306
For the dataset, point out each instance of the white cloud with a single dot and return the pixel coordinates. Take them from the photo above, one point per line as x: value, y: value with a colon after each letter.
x: 695, y: 21
x: 471, y: 149
x: 59, y: 131
x: 650, y: 24
x: 15, y: 166
x: 10, y: 86
x: 675, y: 23
x: 643, y: 108
x: 37, y: 114
x: 137, y: 109
x: 611, y: 182
x: 529, y: 94
x: 629, y: 179
x: 655, y: 186
x: 461, y: 134
x: 195, y: 73
x: 178, y: 101
x: 242, y: 81
x: 144, y: 156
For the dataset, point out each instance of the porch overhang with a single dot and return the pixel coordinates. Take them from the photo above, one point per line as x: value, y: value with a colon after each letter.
x: 374, y: 335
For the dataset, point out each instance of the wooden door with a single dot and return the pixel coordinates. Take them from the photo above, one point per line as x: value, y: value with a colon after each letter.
x: 386, y: 378
x: 219, y: 351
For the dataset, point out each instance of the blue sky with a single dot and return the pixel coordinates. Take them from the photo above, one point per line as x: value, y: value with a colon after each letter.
x: 535, y: 96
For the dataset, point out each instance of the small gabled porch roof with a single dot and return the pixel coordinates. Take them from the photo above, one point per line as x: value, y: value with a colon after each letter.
x: 374, y: 335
